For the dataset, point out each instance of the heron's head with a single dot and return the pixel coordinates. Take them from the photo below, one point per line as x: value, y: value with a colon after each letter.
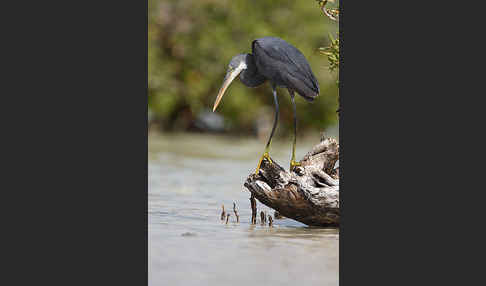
x: 236, y: 65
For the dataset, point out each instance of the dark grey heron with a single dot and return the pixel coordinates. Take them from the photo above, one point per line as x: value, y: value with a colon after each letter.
x: 282, y: 64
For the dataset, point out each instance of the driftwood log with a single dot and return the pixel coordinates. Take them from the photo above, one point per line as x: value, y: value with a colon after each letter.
x: 309, y: 193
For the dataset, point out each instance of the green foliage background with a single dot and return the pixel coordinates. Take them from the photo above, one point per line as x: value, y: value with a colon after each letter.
x: 191, y: 43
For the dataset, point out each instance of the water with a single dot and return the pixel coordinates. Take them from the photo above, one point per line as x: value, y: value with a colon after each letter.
x: 190, y: 177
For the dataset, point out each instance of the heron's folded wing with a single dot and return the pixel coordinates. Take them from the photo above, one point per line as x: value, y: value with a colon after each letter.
x: 292, y: 65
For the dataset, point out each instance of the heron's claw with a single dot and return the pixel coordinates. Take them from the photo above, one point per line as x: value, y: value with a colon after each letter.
x: 294, y: 164
x: 266, y: 156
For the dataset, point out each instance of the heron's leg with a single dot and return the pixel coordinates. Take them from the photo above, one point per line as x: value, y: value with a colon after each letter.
x: 267, y: 148
x: 293, y: 163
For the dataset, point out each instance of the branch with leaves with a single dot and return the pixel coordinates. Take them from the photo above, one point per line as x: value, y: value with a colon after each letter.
x: 332, y: 51
x: 332, y: 13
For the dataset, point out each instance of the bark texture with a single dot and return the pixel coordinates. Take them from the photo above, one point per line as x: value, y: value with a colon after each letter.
x: 309, y: 194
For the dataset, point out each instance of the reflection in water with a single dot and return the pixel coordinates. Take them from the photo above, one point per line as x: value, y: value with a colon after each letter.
x: 190, y: 177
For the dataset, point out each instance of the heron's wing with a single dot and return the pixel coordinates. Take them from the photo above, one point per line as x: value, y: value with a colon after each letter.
x: 289, y: 64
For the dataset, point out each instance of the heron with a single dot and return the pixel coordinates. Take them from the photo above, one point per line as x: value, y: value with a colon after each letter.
x: 283, y: 65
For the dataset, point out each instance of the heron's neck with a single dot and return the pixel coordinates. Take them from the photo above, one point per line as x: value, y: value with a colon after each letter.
x: 250, y: 76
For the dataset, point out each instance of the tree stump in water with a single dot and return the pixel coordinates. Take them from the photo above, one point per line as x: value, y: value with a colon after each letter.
x: 309, y: 194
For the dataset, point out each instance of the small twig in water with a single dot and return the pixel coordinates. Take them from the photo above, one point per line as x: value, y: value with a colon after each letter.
x: 236, y: 212
x: 253, y: 209
x: 262, y: 217
x: 223, y: 214
x: 227, y: 218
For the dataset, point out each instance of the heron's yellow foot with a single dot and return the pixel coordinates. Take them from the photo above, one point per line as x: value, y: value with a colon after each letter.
x: 294, y: 164
x: 265, y: 155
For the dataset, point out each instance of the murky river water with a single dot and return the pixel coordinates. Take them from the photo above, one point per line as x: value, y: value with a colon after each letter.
x: 190, y: 177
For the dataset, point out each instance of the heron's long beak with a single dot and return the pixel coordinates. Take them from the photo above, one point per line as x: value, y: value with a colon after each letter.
x: 230, y: 76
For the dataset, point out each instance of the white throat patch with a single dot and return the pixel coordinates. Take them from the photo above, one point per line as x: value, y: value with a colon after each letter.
x: 242, y: 66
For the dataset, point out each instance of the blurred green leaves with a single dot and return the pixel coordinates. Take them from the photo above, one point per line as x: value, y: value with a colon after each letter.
x: 191, y: 43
